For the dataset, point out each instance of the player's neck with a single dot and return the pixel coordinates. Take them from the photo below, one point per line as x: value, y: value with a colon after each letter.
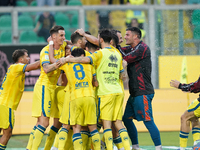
x: 135, y: 43
x: 103, y: 45
x: 56, y: 46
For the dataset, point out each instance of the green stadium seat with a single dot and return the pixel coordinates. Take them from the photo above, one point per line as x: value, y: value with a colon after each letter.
x: 71, y: 12
x: 21, y: 3
x: 193, y: 1
x: 25, y: 22
x: 28, y: 37
x: 68, y: 34
x: 196, y: 17
x: 5, y: 22
x: 74, y: 22
x: 62, y: 20
x: 41, y: 39
x: 6, y: 37
x: 196, y: 32
x: 74, y: 2
x: 33, y: 3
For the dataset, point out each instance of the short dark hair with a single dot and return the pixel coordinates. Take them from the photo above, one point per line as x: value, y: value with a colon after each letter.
x: 115, y: 37
x: 136, y: 31
x: 55, y: 29
x: 75, y: 37
x: 117, y: 31
x: 90, y: 45
x: 106, y: 35
x: 78, y: 52
x: 18, y: 53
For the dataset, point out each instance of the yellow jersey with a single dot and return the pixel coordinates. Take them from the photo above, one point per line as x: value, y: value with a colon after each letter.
x: 51, y: 78
x: 79, y: 79
x: 13, y: 86
x: 108, y: 64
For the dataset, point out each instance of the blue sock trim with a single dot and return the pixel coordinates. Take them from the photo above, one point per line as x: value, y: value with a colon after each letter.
x: 85, y: 132
x: 76, y: 136
x: 2, y: 147
x: 122, y: 130
x: 183, y: 134
x: 94, y: 132
x: 195, y: 130
x: 117, y: 140
x: 54, y: 129
x: 64, y: 130
x: 41, y: 128
x: 106, y: 130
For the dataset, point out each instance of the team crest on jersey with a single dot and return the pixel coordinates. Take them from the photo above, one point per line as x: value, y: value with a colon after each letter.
x: 47, y: 57
x: 113, y: 58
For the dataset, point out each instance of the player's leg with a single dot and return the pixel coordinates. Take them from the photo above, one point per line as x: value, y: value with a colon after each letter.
x: 63, y: 136
x: 195, y: 130
x: 144, y: 113
x: 52, y: 133
x: 191, y: 113
x: 30, y: 140
x: 7, y: 115
x: 85, y: 136
x: 106, y: 114
x: 43, y: 123
x: 77, y: 139
x: 116, y: 138
x: 7, y: 133
x: 128, y: 116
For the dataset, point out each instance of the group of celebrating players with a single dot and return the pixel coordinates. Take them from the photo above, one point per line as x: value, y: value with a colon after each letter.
x: 81, y: 87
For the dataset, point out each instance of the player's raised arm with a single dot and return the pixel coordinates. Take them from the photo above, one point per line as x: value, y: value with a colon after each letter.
x: 88, y: 37
x: 33, y: 66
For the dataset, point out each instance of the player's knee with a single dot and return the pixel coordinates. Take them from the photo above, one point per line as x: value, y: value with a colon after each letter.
x: 183, y: 118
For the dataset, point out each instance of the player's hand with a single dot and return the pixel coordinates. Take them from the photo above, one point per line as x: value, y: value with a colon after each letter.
x: 124, y: 63
x: 80, y: 31
x: 49, y: 39
x: 174, y: 83
x: 58, y: 63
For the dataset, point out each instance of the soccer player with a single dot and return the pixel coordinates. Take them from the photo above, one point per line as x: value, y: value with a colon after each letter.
x: 109, y: 68
x: 11, y: 92
x: 192, y: 114
x: 82, y: 102
x: 44, y: 90
x: 138, y: 57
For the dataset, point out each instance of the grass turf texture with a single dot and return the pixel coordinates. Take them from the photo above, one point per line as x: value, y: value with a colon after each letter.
x: 167, y: 138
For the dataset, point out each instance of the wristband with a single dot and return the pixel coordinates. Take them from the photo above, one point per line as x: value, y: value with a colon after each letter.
x: 50, y: 42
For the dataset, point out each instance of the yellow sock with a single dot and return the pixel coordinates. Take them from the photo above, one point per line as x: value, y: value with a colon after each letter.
x: 30, y: 141
x: 69, y: 143
x: 55, y: 144
x: 107, y: 133
x: 2, y: 147
x: 196, y: 133
x: 62, y: 138
x: 183, y: 139
x: 118, y: 142
x: 89, y: 146
x: 96, y: 140
x: 38, y: 135
x: 50, y: 138
x: 84, y: 135
x: 125, y: 139
x: 77, y: 141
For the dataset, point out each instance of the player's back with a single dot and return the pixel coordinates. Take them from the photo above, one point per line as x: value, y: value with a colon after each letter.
x: 108, y: 63
x: 79, y: 79
x: 13, y: 86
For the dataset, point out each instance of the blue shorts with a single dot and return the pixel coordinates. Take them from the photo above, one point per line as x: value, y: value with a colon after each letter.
x: 139, y: 108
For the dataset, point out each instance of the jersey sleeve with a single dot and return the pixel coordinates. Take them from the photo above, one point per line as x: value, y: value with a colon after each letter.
x: 95, y: 57
x: 44, y: 56
x: 121, y: 67
x: 193, y: 87
x: 20, y: 68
